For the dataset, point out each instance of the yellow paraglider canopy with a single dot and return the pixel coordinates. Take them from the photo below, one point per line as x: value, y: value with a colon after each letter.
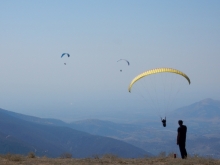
x: 155, y: 71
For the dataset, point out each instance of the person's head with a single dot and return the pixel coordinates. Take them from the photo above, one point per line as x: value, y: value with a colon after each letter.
x: 180, y: 122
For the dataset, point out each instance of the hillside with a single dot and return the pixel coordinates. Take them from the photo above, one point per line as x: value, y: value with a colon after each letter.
x: 206, y: 110
x: 201, y: 118
x: 107, y: 159
x: 20, y: 136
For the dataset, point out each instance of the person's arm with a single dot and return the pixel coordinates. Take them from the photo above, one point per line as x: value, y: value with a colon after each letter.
x: 178, y: 138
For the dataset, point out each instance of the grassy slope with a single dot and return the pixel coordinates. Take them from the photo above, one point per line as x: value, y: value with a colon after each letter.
x: 107, y: 159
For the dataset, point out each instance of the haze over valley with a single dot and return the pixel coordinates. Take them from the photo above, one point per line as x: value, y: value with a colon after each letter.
x: 21, y: 133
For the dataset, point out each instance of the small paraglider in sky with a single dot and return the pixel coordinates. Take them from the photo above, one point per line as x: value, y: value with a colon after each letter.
x: 125, y: 61
x: 67, y: 54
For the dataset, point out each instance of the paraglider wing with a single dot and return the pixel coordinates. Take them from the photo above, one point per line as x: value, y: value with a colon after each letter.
x: 155, y: 71
x: 124, y: 60
x: 68, y: 55
x: 63, y: 55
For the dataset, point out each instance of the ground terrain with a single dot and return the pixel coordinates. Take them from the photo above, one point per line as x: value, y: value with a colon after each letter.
x: 106, y: 159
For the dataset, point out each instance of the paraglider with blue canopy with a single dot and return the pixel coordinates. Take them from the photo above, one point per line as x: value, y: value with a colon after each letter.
x: 67, y: 54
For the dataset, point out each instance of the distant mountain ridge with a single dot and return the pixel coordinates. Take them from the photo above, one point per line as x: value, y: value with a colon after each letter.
x: 21, y: 134
x: 201, y: 118
x: 34, y: 119
x: 207, y: 109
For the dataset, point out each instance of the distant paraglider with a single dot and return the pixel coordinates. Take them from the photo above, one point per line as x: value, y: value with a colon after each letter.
x: 125, y: 61
x: 67, y: 54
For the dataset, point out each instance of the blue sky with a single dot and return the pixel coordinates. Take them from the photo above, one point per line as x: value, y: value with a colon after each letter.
x: 179, y: 34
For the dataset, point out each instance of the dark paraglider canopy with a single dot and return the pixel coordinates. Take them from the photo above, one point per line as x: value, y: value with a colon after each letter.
x: 68, y: 55
x: 124, y: 61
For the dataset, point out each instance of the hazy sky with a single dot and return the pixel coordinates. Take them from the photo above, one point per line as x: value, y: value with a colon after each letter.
x: 34, y: 80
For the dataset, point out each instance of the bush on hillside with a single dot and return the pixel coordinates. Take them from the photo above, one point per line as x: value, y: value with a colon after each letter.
x: 66, y: 155
x: 31, y: 155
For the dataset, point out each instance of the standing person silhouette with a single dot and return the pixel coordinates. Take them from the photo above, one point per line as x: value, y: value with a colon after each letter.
x: 181, y: 139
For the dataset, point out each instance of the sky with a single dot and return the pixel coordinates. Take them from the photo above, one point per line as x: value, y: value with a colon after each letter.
x: 184, y: 35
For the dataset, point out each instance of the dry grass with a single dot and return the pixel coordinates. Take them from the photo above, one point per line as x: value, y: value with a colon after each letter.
x: 106, y: 159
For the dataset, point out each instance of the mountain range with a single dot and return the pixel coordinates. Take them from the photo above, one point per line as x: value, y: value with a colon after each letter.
x: 206, y: 110
x: 51, y: 137
x: 201, y: 118
x: 21, y: 134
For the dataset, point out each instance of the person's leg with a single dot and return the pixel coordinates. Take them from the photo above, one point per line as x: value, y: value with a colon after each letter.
x: 181, y: 147
x: 185, y: 152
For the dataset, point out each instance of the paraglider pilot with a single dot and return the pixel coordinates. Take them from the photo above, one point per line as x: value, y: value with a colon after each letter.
x: 163, y: 121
